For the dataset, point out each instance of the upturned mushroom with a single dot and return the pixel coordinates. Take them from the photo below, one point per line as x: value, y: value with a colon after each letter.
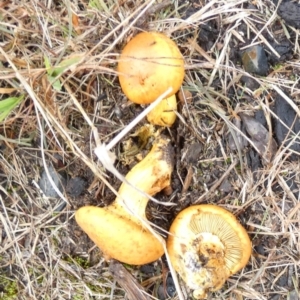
x: 148, y: 65
x: 206, y: 245
x: 117, y: 229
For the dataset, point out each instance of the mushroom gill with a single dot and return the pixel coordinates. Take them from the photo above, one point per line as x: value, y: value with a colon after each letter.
x: 207, y: 244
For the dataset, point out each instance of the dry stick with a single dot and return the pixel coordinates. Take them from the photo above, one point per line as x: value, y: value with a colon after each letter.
x: 218, y: 61
x: 133, y: 289
x: 12, y: 141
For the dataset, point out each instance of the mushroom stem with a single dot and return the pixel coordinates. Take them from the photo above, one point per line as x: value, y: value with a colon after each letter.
x: 151, y: 175
x: 164, y: 114
x: 117, y: 229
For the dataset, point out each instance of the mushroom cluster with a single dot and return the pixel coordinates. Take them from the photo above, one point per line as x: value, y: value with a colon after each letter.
x: 206, y: 245
x: 149, y: 64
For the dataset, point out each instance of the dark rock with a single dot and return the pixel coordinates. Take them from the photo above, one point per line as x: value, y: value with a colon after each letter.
x: 46, y: 186
x: 286, y: 125
x: 249, y: 82
x: 170, y: 289
x: 148, y: 269
x: 76, y: 186
x: 260, y: 249
x: 290, y: 13
x: 226, y: 186
x: 283, y: 280
x: 207, y: 33
x: 254, y: 60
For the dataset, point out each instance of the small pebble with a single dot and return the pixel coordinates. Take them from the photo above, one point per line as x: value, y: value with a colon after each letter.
x: 46, y: 185
x: 249, y: 82
x: 260, y: 137
x: 75, y: 186
x: 226, y: 186
x: 170, y: 289
x: 255, y: 60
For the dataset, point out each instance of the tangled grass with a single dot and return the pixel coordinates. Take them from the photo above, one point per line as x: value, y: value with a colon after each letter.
x: 58, y: 58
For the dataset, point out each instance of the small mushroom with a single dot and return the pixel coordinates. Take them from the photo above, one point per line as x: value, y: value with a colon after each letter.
x: 206, y: 245
x: 149, y: 64
x: 117, y: 229
x: 164, y: 113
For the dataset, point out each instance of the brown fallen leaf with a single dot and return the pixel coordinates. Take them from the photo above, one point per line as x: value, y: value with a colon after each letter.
x: 75, y: 22
x: 260, y: 137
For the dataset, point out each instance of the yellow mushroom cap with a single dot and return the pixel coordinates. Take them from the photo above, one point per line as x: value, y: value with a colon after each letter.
x: 117, y: 236
x: 149, y: 64
x: 206, y: 245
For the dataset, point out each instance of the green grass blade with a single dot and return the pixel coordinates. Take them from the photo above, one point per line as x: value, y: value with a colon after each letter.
x: 7, y: 105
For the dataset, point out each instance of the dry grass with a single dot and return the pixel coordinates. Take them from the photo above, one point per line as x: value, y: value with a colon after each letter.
x: 61, y: 56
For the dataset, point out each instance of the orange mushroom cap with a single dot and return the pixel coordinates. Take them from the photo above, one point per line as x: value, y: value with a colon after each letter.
x: 149, y: 64
x: 206, y: 245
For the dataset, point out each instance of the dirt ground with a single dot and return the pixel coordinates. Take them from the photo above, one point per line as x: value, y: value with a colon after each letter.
x: 43, y: 252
